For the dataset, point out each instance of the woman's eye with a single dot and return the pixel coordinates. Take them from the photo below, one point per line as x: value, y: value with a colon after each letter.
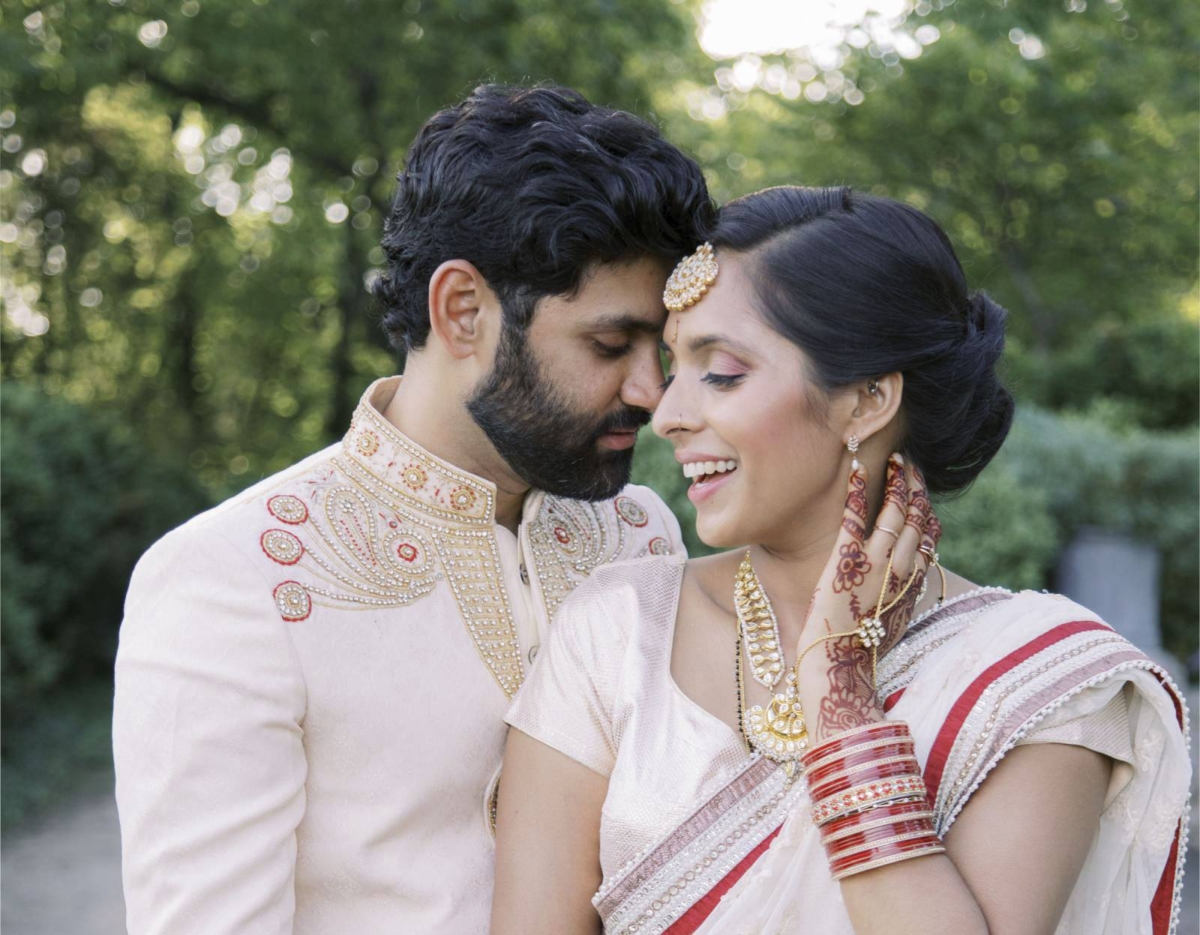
x: 723, y: 379
x: 667, y: 382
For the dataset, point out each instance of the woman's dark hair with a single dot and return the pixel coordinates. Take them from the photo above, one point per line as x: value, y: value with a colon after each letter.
x: 867, y: 286
x: 534, y: 186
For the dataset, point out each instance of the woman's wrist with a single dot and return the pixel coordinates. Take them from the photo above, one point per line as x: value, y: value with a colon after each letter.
x: 836, y: 692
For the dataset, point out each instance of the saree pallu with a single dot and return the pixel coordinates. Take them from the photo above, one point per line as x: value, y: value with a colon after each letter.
x: 973, y: 680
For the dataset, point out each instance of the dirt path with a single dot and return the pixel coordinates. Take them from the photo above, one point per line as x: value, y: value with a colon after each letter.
x: 64, y: 874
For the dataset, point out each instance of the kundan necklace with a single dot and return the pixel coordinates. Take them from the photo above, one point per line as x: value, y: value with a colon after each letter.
x: 778, y: 732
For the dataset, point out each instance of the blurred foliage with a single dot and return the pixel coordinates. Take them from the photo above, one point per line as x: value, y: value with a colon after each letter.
x: 1053, y: 475
x: 81, y: 503
x: 193, y: 195
x: 1056, y: 142
x: 60, y: 748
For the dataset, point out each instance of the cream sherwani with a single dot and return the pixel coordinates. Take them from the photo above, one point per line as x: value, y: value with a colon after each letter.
x: 311, y: 685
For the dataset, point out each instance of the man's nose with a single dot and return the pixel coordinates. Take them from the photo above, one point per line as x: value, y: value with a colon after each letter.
x: 643, y: 383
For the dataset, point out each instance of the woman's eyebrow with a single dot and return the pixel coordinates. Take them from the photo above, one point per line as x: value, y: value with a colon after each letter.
x: 707, y: 340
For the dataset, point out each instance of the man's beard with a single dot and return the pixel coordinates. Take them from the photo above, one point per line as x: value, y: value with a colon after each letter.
x: 546, y: 443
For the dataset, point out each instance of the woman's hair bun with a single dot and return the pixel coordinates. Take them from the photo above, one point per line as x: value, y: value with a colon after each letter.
x: 865, y: 286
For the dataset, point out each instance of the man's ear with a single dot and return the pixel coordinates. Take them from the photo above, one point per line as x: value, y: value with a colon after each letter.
x: 459, y: 296
x: 875, y: 405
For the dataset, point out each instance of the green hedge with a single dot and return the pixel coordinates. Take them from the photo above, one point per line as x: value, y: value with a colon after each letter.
x: 1054, y: 474
x: 81, y: 503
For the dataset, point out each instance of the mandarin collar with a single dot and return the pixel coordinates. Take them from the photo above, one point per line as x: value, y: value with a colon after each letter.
x: 415, y: 476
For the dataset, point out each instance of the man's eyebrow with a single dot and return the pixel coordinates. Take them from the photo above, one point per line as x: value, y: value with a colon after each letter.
x: 700, y: 342
x: 626, y: 322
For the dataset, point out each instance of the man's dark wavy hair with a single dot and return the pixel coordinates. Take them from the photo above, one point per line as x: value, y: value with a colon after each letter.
x: 534, y: 186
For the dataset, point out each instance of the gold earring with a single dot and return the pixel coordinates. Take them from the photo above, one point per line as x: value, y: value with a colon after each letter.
x: 852, y: 446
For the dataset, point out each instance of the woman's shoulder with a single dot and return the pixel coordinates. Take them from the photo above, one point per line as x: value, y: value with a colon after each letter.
x: 618, y: 596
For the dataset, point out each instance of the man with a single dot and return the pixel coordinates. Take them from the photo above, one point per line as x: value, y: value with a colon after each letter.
x: 312, y: 677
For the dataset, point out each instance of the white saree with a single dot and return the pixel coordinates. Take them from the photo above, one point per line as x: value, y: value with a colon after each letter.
x: 698, y: 836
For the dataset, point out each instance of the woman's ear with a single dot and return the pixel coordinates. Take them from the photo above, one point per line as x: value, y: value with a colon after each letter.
x: 875, y: 405
x: 458, y: 296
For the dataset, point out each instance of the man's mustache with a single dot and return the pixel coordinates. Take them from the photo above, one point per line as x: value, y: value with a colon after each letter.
x: 623, y: 420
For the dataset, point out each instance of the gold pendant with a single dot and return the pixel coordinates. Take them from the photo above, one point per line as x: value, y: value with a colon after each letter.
x: 779, y: 732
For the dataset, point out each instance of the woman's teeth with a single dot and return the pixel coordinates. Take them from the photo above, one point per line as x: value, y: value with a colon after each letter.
x: 702, y: 469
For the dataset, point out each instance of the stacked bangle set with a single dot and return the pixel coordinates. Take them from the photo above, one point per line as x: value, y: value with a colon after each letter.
x: 869, y: 800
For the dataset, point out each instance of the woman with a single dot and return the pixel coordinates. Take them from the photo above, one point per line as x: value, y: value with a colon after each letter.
x: 826, y: 732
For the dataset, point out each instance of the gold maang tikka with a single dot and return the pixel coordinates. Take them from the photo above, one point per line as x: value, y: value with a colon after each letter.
x: 690, y: 280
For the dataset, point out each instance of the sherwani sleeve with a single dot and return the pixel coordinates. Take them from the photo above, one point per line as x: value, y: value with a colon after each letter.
x: 207, y: 742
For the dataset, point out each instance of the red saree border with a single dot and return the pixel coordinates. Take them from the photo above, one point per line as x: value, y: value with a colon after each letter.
x: 1162, y: 906
x: 707, y: 814
x: 702, y: 908
x: 948, y: 733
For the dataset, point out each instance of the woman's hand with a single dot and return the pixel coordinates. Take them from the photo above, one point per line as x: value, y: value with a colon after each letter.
x: 836, y: 683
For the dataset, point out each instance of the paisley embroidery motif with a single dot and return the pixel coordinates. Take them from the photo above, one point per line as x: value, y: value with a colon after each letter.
x: 383, y: 523
x: 363, y: 549
x: 569, y: 540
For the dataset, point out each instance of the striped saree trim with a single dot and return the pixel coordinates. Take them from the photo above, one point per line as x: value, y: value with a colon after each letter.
x: 1012, y: 695
x: 675, y: 884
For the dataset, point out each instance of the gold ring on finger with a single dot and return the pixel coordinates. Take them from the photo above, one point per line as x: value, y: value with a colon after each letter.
x: 890, y: 532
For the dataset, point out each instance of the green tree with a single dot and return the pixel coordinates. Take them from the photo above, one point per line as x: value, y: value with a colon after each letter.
x: 1058, y: 145
x: 193, y: 196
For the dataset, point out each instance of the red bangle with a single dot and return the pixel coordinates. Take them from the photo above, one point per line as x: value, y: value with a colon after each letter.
x: 840, y: 783
x: 891, y: 811
x: 895, y: 811
x: 871, y: 767
x: 854, y: 737
x: 899, y: 850
x: 860, y: 798
x: 862, y: 853
x: 879, y: 833
x: 886, y: 860
x: 874, y: 747
x: 829, y: 766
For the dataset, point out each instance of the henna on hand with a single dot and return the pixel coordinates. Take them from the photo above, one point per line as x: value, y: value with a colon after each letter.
x: 849, y: 698
x: 837, y: 683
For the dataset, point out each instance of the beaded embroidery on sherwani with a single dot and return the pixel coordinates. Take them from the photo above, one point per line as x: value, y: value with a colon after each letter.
x: 571, y: 538
x: 380, y: 525
x: 384, y: 521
